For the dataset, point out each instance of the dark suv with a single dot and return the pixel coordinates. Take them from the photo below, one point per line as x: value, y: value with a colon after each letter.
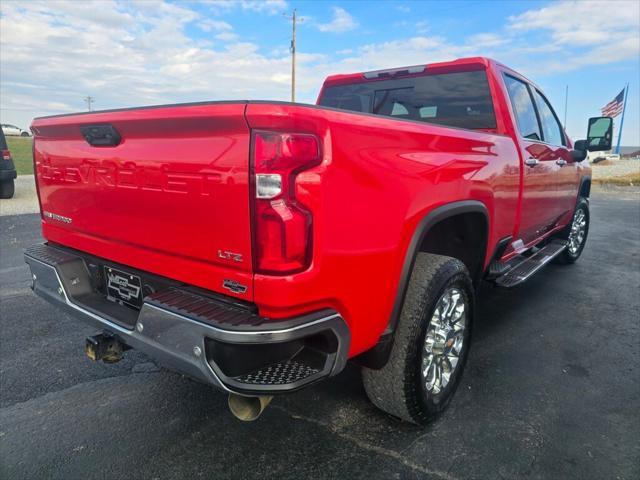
x: 7, y: 170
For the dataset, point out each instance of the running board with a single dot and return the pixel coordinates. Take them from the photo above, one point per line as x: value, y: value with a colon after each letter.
x: 522, y: 271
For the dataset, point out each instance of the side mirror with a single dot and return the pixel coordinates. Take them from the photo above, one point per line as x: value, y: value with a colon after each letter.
x: 579, y: 152
x: 600, y: 134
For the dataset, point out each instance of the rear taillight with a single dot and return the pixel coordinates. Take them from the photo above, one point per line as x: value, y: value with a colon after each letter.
x: 6, y: 155
x: 282, y: 226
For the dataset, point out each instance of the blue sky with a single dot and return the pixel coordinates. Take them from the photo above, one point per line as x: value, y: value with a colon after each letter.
x: 143, y: 52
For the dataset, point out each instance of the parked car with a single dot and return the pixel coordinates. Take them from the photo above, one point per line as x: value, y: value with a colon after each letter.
x: 12, y: 130
x: 258, y: 246
x: 7, y: 170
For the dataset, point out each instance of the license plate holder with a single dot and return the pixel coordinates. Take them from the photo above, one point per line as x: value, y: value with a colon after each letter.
x: 123, y: 288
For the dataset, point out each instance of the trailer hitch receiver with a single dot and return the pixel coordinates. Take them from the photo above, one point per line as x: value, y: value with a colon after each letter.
x: 105, y: 347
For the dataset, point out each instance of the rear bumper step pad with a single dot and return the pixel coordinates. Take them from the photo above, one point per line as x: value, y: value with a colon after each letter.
x: 218, y: 342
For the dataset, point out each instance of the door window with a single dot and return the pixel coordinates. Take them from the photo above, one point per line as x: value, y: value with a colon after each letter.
x: 551, y: 129
x: 523, y: 108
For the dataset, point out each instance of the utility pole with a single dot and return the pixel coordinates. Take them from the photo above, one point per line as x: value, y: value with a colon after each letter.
x: 88, y: 100
x: 293, y: 54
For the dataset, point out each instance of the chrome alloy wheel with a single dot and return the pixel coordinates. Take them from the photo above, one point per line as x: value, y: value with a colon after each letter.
x: 444, y: 340
x: 578, y: 231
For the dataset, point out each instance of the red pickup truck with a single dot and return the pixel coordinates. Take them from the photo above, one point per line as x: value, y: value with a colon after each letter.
x: 258, y: 246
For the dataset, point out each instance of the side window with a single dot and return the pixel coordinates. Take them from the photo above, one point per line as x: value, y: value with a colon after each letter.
x: 551, y: 129
x: 523, y: 108
x: 399, y: 110
x: 428, y: 112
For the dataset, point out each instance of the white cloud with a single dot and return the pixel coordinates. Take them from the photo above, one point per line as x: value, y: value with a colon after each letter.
x: 227, y: 36
x: 224, y: 30
x: 271, y: 7
x: 139, y: 53
x: 482, y: 40
x: 422, y: 27
x: 208, y: 25
x: 578, y: 34
x: 342, y: 21
x: 581, y: 22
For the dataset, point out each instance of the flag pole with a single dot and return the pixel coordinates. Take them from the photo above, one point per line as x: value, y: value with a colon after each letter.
x: 624, y: 107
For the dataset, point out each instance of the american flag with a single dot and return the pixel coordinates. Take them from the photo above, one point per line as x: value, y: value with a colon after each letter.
x: 614, y: 107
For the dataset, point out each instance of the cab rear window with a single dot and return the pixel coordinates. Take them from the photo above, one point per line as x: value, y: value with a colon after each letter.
x: 460, y: 99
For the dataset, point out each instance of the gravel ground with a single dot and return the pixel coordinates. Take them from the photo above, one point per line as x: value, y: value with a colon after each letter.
x: 551, y: 390
x: 617, y: 169
x: 25, y: 199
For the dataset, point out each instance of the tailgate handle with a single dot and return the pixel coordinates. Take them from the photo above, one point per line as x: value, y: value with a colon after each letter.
x: 101, y: 135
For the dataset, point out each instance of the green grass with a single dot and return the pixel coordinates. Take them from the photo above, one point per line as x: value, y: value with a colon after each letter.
x: 20, y: 148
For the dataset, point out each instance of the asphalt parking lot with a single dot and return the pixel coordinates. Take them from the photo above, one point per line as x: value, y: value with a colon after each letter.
x: 552, y: 390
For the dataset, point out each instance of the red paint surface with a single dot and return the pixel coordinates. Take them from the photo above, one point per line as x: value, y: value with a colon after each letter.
x: 177, y: 190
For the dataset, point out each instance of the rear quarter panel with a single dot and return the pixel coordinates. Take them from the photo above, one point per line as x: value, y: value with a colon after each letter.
x: 378, y: 179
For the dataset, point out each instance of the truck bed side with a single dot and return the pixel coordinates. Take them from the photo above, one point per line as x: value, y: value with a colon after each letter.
x: 379, y: 178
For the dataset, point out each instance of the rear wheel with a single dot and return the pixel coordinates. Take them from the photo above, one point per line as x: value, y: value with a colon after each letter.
x: 430, y: 345
x: 576, y: 233
x: 7, y: 189
x: 24, y: 134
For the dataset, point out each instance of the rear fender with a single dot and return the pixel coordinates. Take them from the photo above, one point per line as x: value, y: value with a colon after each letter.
x: 377, y: 356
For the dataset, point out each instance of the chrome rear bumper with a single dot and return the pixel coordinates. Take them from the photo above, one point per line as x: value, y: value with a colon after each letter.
x: 217, y: 342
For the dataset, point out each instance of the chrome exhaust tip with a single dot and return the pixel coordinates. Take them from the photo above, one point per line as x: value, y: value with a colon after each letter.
x: 248, y: 409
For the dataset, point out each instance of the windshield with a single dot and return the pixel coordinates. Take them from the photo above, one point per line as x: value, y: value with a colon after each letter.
x: 460, y: 99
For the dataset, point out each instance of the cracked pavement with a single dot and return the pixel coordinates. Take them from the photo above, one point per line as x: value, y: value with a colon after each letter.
x: 551, y: 390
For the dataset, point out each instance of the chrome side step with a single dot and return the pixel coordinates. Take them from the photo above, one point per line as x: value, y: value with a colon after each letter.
x: 525, y: 269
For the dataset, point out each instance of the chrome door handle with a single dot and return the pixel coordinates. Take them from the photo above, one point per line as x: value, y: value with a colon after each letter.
x: 561, y: 162
x: 531, y: 161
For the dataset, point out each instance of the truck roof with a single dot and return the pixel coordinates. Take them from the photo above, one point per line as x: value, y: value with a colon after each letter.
x: 450, y: 66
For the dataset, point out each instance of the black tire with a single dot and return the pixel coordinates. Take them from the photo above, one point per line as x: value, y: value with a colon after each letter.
x: 7, y: 189
x: 570, y: 255
x: 399, y: 388
x: 24, y: 134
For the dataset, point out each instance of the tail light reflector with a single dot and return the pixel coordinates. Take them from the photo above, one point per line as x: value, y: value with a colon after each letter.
x: 282, y: 226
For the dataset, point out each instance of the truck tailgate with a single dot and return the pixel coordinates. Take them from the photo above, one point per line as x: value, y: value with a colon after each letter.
x: 171, y: 197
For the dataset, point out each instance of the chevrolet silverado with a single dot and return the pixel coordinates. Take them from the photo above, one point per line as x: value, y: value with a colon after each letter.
x: 258, y: 246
